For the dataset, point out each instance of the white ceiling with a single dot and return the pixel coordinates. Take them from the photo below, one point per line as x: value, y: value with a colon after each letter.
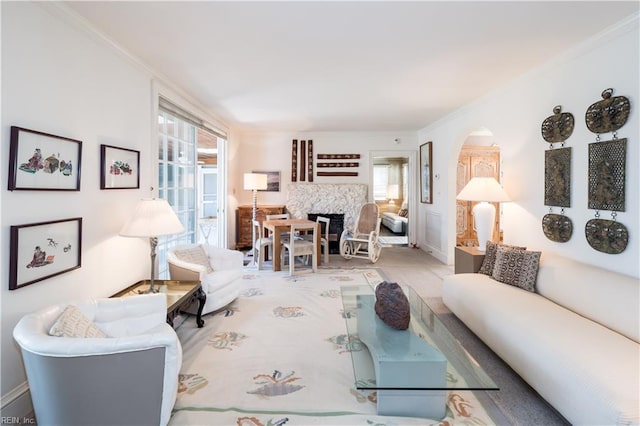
x: 333, y: 66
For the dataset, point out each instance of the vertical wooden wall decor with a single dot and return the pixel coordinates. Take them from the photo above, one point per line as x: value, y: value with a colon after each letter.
x: 310, y: 161
x: 557, y: 175
x: 294, y: 160
x: 303, y: 160
x: 607, y: 170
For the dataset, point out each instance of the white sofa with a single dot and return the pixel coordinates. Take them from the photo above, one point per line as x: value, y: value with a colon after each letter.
x: 394, y: 222
x: 574, y: 340
x: 130, y: 377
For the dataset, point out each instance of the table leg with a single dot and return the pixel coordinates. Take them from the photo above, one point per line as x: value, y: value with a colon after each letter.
x: 277, y: 247
x: 202, y: 298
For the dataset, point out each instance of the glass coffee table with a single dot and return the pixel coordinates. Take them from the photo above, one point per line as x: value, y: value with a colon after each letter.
x: 180, y: 295
x: 412, y: 369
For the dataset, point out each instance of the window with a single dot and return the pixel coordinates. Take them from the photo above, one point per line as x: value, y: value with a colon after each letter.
x: 178, y: 133
x: 380, y: 181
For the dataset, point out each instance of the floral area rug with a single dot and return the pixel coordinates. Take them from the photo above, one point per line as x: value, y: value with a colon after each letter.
x: 280, y: 354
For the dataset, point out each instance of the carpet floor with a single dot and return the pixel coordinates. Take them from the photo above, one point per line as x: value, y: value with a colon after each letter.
x: 514, y: 404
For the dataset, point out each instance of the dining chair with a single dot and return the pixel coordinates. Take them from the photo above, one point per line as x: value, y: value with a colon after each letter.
x: 324, y: 236
x: 260, y: 243
x: 301, y: 247
x: 280, y: 216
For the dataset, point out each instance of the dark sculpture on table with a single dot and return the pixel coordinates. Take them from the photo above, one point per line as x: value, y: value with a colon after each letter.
x: 392, y: 305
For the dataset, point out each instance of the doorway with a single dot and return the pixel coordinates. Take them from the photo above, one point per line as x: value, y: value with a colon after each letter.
x: 392, y: 188
x: 211, y: 196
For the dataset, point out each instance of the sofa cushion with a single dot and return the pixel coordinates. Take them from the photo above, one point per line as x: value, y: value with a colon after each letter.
x: 403, y: 212
x: 490, y: 256
x: 195, y: 254
x: 517, y: 267
x: 73, y: 323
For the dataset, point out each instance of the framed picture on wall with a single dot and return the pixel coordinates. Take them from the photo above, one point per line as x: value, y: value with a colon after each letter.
x: 273, y: 181
x: 43, y: 250
x: 41, y: 161
x: 119, y: 168
x: 426, y: 174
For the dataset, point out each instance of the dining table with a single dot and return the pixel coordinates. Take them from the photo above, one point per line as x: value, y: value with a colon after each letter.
x: 276, y: 227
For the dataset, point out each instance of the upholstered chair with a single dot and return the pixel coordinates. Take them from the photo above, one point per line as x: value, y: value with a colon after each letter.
x: 324, y: 237
x: 130, y: 376
x: 218, y: 269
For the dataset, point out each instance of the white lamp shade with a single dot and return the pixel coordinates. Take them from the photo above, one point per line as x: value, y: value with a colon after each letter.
x: 152, y: 218
x: 255, y: 181
x: 483, y: 189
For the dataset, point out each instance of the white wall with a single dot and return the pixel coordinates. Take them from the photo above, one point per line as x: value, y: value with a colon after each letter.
x: 59, y: 80
x: 515, y: 114
x: 272, y: 151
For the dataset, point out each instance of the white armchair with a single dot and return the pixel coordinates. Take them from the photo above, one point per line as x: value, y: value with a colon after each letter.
x: 129, y: 377
x: 221, y: 285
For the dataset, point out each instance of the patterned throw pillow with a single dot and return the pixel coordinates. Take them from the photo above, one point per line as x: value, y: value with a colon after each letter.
x: 73, y: 323
x: 517, y: 267
x: 403, y: 212
x: 195, y: 255
x: 490, y: 256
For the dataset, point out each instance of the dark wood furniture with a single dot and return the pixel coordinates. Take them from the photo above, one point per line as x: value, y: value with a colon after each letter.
x: 243, y: 221
x: 180, y: 295
x: 468, y: 259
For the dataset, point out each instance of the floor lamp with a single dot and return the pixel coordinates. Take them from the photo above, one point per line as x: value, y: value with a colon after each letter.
x: 152, y: 218
x: 254, y: 182
x: 485, y: 190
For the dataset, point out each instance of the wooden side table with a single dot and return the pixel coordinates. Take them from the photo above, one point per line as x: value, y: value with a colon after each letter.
x: 180, y: 295
x: 468, y: 259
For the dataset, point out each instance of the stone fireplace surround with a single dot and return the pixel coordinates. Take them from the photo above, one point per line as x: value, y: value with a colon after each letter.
x: 346, y: 198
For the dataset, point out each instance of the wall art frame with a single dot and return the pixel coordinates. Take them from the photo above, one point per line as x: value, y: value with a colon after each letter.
x: 42, y: 161
x: 273, y: 181
x: 426, y: 173
x: 119, y: 168
x: 43, y: 250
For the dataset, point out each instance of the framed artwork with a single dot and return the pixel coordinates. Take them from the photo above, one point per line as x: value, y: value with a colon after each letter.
x: 43, y: 250
x: 273, y: 181
x: 41, y: 161
x: 119, y: 168
x: 426, y: 174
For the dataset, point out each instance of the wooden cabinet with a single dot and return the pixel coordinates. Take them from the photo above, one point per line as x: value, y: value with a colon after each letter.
x: 243, y: 221
x: 468, y: 259
x: 475, y: 161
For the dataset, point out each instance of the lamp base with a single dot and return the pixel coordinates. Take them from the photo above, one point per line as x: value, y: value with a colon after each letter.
x: 150, y: 291
x: 484, y: 215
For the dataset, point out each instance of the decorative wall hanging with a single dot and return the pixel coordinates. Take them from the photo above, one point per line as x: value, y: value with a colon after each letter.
x: 426, y: 173
x: 41, y: 161
x: 337, y: 173
x: 303, y: 160
x: 294, y: 160
x: 43, y: 250
x: 337, y: 164
x: 607, y: 169
x: 558, y: 127
x: 352, y: 164
x: 557, y: 175
x: 119, y: 168
x: 310, y: 161
x: 609, y: 114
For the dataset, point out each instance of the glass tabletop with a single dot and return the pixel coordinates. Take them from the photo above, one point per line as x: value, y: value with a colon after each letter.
x: 176, y: 291
x: 404, y: 353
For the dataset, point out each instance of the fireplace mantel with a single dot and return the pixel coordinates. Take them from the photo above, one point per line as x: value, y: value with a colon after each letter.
x: 347, y: 198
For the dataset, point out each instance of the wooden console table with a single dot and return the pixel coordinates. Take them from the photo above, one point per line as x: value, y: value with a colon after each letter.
x: 180, y: 295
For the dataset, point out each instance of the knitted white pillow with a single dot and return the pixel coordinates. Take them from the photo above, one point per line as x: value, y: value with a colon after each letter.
x: 195, y: 255
x: 73, y: 323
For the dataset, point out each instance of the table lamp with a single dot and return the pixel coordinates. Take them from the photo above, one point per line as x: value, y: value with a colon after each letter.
x: 253, y: 182
x: 152, y: 218
x: 485, y: 190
